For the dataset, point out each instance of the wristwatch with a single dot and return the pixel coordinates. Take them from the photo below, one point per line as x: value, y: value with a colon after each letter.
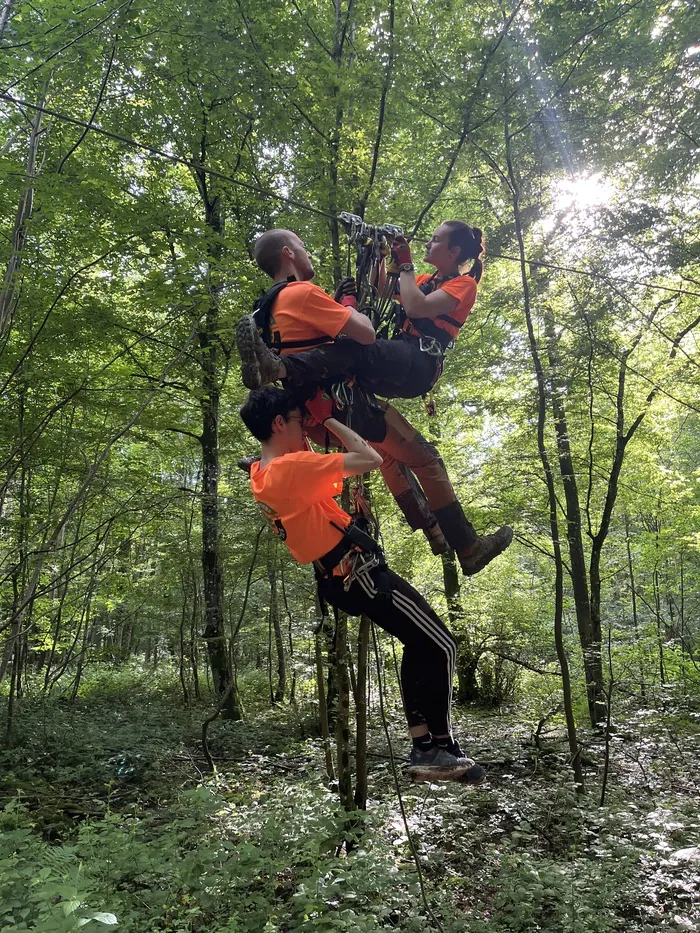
x: 406, y: 267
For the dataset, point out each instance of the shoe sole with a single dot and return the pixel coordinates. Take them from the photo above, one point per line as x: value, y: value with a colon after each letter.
x: 426, y: 774
x: 245, y: 341
x: 485, y: 561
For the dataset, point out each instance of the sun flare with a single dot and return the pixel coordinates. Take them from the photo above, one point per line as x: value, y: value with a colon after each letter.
x: 581, y: 194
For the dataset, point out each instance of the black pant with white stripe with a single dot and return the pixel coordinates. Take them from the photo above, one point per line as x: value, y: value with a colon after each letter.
x: 430, y: 651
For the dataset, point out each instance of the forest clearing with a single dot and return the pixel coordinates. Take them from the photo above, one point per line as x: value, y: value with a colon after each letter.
x: 408, y: 641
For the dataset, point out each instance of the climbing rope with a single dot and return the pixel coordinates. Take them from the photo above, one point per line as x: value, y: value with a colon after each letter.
x: 372, y: 244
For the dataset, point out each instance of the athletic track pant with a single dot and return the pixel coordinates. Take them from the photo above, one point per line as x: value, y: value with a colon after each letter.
x: 430, y: 650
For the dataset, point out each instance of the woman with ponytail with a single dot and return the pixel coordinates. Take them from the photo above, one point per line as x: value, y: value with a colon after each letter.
x: 436, y: 306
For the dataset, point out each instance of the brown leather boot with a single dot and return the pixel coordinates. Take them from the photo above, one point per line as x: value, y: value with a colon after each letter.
x: 482, y: 551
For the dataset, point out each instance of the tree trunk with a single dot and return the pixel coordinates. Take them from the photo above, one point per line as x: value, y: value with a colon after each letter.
x: 322, y: 705
x: 209, y: 352
x: 342, y: 726
x: 24, y: 212
x: 5, y: 13
x: 635, y: 621
x: 281, y: 688
x: 588, y: 628
x: 548, y: 476
x: 361, y: 715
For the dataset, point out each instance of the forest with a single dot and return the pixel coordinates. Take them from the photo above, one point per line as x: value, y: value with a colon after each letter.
x: 186, y: 742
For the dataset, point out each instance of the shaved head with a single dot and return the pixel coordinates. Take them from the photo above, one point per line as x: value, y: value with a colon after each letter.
x: 268, y: 247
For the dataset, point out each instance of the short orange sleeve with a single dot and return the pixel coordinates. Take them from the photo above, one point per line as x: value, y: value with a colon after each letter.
x: 302, y: 312
x: 321, y: 311
x: 462, y: 287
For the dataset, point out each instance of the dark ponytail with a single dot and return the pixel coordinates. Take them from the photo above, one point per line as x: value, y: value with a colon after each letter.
x: 471, y: 245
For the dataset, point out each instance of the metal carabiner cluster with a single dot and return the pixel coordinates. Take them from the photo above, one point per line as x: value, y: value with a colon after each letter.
x: 372, y: 244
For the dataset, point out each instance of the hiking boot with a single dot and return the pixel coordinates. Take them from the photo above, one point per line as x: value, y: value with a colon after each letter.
x: 259, y: 366
x: 436, y: 539
x: 483, y: 550
x: 245, y: 463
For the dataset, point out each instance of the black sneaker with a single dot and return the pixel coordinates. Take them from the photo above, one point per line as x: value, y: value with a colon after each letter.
x: 483, y: 551
x: 473, y: 775
x: 437, y: 764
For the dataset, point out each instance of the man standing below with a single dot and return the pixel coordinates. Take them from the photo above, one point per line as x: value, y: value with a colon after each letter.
x: 295, y: 489
x: 302, y: 316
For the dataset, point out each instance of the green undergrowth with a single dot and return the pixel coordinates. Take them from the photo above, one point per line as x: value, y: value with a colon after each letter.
x: 110, y: 816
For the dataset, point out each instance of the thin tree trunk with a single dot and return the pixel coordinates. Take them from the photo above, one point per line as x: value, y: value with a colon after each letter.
x: 549, y: 479
x: 342, y: 726
x: 5, y: 13
x: 23, y: 215
x: 322, y: 705
x: 209, y: 346
x: 279, y: 692
x: 361, y: 714
x: 183, y: 676
x: 290, y: 639
x: 589, y: 632
x: 635, y: 619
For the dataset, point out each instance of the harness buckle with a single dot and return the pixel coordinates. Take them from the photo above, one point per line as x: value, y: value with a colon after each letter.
x: 362, y: 563
x: 431, y: 346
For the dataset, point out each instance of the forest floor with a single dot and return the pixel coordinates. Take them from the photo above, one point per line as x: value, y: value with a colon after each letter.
x: 111, y: 815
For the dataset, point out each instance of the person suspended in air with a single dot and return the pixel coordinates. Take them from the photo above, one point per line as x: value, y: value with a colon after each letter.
x: 295, y: 489
x: 435, y: 307
x: 330, y: 337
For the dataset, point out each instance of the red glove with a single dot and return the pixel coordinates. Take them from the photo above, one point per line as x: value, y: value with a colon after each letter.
x: 400, y: 254
x: 320, y: 407
x: 346, y: 292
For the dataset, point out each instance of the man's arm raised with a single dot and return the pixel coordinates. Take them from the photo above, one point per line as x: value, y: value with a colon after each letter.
x: 360, y: 457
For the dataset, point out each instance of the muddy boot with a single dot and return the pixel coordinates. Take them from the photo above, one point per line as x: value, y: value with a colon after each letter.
x: 436, y: 539
x: 437, y: 764
x: 259, y: 366
x: 482, y: 551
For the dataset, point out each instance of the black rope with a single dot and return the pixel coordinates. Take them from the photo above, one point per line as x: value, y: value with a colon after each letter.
x: 292, y: 202
x: 153, y: 150
x: 397, y: 784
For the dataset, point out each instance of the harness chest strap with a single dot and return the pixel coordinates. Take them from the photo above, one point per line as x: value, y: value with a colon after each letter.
x: 262, y: 314
x: 426, y: 326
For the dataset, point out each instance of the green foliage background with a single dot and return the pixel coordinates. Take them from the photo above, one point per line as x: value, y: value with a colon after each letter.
x: 412, y: 114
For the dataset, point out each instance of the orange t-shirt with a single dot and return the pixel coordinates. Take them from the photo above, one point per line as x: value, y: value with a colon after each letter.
x: 464, y: 288
x: 295, y: 494
x: 303, y: 311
